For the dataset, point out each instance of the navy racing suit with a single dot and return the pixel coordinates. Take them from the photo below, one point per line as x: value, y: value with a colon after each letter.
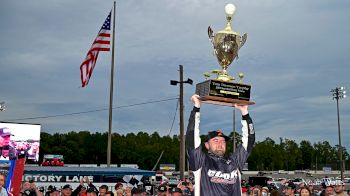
x: 215, y: 175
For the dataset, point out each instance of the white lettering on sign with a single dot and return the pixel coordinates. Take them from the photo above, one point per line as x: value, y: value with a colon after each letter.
x: 72, y: 179
x: 78, y: 178
x: 43, y: 178
x: 58, y: 178
x: 51, y: 178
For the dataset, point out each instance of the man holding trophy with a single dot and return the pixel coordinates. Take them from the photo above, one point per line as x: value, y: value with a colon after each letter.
x: 215, y: 172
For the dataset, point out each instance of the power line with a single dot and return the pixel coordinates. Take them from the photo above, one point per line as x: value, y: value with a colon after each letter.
x: 172, y: 124
x: 170, y: 130
x: 90, y: 111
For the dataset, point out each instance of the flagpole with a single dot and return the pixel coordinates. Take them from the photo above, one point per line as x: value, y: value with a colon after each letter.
x: 109, y: 144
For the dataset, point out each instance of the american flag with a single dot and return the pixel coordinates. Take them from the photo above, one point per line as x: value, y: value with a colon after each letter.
x: 101, y: 43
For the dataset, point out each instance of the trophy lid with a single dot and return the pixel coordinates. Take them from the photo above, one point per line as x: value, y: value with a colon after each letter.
x: 230, y: 10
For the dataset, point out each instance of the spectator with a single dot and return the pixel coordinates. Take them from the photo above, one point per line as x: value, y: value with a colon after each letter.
x: 127, y: 191
x: 256, y: 191
x: 245, y: 194
x: 175, y: 191
x: 117, y: 187
x: 311, y: 188
x: 3, y: 191
x: 265, y: 191
x: 143, y: 191
x: 339, y: 188
x: 91, y: 191
x: 29, y: 188
x: 54, y: 192
x: 186, y: 187
x: 66, y: 190
x: 82, y: 191
x: 162, y: 190
x: 103, y: 190
x: 274, y: 193
x: 109, y: 193
x: 305, y: 191
x: 119, y: 192
x: 138, y: 191
x: 290, y: 189
x: 329, y: 190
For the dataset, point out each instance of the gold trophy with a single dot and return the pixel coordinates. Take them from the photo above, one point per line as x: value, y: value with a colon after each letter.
x: 222, y: 90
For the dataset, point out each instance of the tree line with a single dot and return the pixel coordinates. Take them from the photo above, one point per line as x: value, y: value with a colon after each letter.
x: 144, y: 150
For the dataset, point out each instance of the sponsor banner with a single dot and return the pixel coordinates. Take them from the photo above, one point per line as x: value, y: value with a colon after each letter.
x: 167, y: 167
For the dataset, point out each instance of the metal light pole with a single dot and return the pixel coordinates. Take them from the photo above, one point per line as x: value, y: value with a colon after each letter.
x: 182, y: 137
x: 339, y: 93
x: 2, y: 106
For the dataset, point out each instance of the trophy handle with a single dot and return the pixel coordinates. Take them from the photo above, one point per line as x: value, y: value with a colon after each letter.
x: 243, y: 40
x: 210, y: 34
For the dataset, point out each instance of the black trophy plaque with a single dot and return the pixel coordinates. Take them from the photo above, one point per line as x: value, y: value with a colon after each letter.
x: 224, y: 93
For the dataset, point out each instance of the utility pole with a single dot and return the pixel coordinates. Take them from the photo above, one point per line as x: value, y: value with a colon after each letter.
x: 182, y: 135
x: 234, y: 130
x: 338, y: 93
x: 2, y: 106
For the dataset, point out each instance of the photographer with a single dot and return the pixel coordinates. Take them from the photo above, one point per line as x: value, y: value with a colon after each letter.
x: 30, y: 189
x: 186, y: 187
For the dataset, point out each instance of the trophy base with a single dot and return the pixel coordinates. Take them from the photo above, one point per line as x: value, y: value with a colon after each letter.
x: 224, y: 93
x: 224, y: 101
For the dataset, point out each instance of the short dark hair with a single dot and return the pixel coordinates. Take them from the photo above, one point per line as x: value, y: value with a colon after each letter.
x: 104, y: 187
x: 117, y: 185
x: 110, y: 193
x: 92, y: 190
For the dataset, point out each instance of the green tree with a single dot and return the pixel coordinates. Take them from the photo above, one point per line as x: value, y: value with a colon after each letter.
x: 307, y: 152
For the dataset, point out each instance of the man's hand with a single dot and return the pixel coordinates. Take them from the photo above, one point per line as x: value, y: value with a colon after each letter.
x: 243, y: 108
x: 82, y: 181
x: 196, y: 100
x: 87, y: 180
x: 33, y: 186
x: 1, y: 142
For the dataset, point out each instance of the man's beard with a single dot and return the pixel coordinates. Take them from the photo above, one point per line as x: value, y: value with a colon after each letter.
x: 219, y: 153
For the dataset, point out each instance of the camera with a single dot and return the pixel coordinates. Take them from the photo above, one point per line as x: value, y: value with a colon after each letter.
x: 41, y: 189
x: 26, y: 192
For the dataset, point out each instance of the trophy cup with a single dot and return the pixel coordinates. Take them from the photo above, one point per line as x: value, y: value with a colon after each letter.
x: 222, y: 90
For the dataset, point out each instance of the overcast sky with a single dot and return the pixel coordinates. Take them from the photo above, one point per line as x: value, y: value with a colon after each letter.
x: 296, y: 52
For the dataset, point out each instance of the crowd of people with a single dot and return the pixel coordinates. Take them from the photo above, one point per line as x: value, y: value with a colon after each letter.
x: 288, y: 188
x: 87, y: 188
